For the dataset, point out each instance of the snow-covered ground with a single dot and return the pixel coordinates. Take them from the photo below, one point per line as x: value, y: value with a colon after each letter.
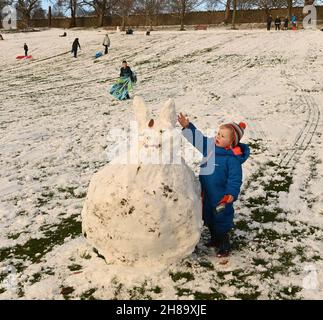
x: 55, y: 117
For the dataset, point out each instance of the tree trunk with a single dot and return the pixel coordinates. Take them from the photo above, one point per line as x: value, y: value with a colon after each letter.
x: 183, y: 11
x: 227, y: 12
x: 123, y: 23
x: 102, y: 13
x: 234, y: 14
x: 49, y: 16
x: 73, y: 13
x: 26, y: 18
x: 289, y: 8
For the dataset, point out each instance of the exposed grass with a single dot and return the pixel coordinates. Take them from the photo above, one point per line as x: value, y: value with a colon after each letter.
x: 34, y: 249
x: 206, y: 264
x: 181, y: 275
x: 214, y: 295
x: 88, y: 295
x: 75, y: 267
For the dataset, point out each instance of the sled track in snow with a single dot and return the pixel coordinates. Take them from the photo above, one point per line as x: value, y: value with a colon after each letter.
x: 305, y: 135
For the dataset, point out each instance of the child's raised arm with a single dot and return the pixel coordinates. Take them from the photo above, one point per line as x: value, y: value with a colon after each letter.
x: 194, y: 136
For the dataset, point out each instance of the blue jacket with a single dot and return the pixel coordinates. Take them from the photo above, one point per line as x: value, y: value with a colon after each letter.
x: 220, y: 174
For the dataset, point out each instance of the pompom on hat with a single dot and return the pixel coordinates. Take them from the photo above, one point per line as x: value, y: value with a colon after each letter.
x: 238, y: 131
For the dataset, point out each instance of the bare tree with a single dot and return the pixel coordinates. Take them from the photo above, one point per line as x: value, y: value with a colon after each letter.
x: 227, y: 12
x: 182, y: 7
x: 124, y: 8
x: 149, y: 8
x: 234, y: 14
x: 38, y: 12
x: 25, y: 8
x: 101, y: 8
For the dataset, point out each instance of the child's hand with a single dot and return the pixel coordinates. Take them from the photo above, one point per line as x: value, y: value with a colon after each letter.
x: 221, y: 205
x: 183, y: 120
x: 227, y: 199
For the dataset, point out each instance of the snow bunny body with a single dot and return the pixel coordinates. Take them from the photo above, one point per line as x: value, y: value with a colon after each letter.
x: 144, y: 212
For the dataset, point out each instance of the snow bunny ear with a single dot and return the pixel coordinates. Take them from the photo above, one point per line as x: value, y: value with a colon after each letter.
x: 141, y: 112
x: 167, y: 116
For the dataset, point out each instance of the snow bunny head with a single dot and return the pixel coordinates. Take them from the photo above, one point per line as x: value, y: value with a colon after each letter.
x: 156, y: 137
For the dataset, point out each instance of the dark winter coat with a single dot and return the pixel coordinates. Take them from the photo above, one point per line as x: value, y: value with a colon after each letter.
x: 126, y: 72
x: 220, y: 174
x: 286, y: 22
x: 25, y: 47
x: 277, y: 21
x: 75, y: 45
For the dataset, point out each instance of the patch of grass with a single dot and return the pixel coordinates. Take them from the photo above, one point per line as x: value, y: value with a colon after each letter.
x: 262, y: 215
x: 259, y: 261
x: 70, y: 192
x: 182, y: 275
x: 34, y: 249
x: 286, y: 259
x: 14, y: 236
x: 45, y: 198
x: 269, y: 235
x: 86, y: 256
x: 66, y: 291
x: 279, y: 185
x: 255, y: 202
x: 206, y: 264
x: 215, y: 295
x: 248, y: 296
x: 117, y: 287
x: 183, y: 292
x: 36, y: 278
x: 242, y: 225
x: 88, y: 295
x: 139, y: 292
x: 75, y: 267
x: 288, y: 292
x: 156, y: 290
x: 255, y: 144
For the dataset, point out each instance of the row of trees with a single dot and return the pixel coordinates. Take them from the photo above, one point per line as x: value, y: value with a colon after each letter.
x: 28, y: 9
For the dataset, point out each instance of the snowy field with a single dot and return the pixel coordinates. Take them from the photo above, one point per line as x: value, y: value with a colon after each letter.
x: 55, y: 116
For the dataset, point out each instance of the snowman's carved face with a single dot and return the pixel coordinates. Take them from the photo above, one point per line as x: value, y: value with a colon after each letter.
x: 152, y: 136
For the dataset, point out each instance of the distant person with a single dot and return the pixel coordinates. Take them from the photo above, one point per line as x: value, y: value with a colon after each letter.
x: 286, y: 21
x: 1, y: 37
x: 269, y: 21
x: 26, y: 49
x: 63, y: 35
x: 294, y: 21
x: 277, y: 23
x: 124, y: 85
x: 106, y: 43
x: 75, y: 46
x: 129, y: 31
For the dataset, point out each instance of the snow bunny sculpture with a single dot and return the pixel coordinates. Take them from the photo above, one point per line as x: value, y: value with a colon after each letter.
x: 141, y: 213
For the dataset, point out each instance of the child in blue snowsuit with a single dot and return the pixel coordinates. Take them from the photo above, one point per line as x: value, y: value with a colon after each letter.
x: 220, y: 177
